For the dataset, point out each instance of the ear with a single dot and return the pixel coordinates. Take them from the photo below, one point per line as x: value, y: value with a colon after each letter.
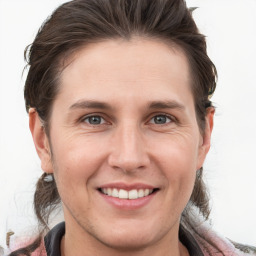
x: 40, y: 140
x: 205, y: 142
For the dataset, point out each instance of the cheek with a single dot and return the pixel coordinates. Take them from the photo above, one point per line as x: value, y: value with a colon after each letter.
x: 177, y: 161
x: 180, y: 171
x: 76, y: 160
x: 178, y: 153
x: 74, y: 167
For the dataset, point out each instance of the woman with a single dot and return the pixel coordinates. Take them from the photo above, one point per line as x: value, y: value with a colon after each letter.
x: 118, y: 95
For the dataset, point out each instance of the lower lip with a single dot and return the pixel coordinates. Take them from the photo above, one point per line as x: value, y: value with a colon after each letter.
x: 128, y: 204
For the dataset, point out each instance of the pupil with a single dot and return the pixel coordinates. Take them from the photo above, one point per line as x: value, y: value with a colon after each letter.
x: 160, y: 119
x: 95, y: 120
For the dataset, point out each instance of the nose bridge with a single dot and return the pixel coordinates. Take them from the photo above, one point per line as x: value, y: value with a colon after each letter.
x: 129, y: 152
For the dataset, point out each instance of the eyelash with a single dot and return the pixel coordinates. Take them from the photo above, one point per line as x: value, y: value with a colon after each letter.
x: 171, y: 119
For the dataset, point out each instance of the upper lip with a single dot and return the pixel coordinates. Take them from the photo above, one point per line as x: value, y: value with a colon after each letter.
x: 127, y: 187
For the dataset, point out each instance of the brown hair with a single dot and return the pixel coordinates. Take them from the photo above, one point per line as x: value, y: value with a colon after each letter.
x: 79, y: 22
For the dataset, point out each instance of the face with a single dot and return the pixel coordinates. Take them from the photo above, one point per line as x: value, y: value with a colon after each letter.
x: 125, y: 143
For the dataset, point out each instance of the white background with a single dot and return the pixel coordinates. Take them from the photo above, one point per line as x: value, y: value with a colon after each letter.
x: 230, y: 27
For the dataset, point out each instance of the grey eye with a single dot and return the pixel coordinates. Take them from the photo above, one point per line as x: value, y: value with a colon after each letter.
x: 160, y: 119
x: 94, y: 120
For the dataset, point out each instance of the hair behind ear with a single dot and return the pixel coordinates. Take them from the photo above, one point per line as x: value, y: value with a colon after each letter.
x: 200, y: 196
x: 46, y: 199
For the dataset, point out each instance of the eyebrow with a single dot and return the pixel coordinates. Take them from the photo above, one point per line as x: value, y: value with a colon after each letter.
x: 166, y: 105
x: 83, y: 104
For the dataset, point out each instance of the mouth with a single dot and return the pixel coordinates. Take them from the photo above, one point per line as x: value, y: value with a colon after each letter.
x: 127, y: 194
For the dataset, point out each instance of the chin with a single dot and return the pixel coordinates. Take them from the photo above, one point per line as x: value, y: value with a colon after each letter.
x: 134, y: 236
x: 132, y: 242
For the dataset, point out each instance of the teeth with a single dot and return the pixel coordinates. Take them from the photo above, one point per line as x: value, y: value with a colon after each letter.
x: 133, y: 194
x: 115, y: 193
x: 141, y: 193
x: 124, y: 194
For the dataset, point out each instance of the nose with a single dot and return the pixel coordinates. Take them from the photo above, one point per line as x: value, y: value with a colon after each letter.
x: 129, y: 151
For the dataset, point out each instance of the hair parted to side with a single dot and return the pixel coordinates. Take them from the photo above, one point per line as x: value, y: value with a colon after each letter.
x: 77, y: 23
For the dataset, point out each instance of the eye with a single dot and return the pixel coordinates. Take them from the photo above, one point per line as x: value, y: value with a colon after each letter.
x: 160, y: 119
x: 94, y: 120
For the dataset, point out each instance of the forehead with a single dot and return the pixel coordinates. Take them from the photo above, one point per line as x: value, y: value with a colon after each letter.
x: 127, y: 68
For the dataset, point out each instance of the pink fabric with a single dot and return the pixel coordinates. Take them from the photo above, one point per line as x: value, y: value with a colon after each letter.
x: 21, y: 243
x: 213, y: 244
x: 40, y: 252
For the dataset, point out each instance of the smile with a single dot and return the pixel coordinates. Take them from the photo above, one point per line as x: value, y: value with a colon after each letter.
x: 125, y: 194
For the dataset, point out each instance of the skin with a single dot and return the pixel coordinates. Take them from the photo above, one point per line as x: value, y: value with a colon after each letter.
x: 127, y: 146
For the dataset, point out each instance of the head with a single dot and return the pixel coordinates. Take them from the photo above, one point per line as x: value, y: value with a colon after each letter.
x: 107, y: 42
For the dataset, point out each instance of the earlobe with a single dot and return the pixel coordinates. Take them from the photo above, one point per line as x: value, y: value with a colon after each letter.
x: 40, y: 140
x: 206, y: 137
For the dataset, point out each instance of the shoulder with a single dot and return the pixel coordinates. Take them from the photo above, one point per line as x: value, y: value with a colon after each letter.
x: 211, y: 243
x: 52, y: 240
x: 33, y: 247
x: 249, y: 250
